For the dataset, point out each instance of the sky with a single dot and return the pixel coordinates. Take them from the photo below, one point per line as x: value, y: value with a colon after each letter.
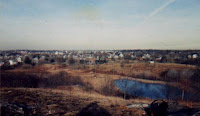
x: 99, y: 24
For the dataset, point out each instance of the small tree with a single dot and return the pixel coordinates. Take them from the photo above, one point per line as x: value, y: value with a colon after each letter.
x: 122, y: 65
x: 52, y: 60
x: 27, y: 60
x: 124, y: 85
x: 71, y: 61
x: 108, y: 87
x: 173, y: 74
x: 185, y: 80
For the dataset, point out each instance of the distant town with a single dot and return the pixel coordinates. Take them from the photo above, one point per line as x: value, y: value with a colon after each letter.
x: 13, y: 58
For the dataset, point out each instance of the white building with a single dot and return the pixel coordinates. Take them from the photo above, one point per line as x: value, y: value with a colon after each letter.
x: 133, y: 56
x: 189, y: 56
x: 151, y: 62
x: 116, y: 56
x: 110, y: 56
x: 194, y: 56
x: 121, y: 55
x: 146, y: 56
x: 56, y: 53
x: 18, y: 59
x: 35, y: 60
x: 1, y: 63
x: 11, y: 62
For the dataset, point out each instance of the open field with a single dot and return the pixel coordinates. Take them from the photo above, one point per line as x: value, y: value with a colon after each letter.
x: 100, y: 75
x: 65, y: 90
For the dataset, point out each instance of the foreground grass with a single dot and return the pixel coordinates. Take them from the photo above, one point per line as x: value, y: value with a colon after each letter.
x: 66, y: 102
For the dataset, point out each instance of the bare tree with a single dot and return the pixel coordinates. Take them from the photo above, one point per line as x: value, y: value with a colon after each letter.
x: 108, y: 88
x: 133, y: 87
x: 124, y: 86
x: 173, y: 74
x: 168, y: 91
x: 122, y: 67
x: 185, y: 80
x: 71, y: 61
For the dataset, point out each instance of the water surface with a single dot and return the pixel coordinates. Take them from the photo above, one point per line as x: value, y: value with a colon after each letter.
x: 152, y: 90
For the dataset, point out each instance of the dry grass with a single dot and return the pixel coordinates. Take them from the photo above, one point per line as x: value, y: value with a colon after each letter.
x: 149, y: 70
x: 65, y: 101
x: 105, y: 71
x: 97, y: 80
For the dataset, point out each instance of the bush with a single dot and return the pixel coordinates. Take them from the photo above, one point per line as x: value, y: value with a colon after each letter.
x: 108, y: 88
x: 18, y: 79
x: 27, y: 60
x: 71, y: 61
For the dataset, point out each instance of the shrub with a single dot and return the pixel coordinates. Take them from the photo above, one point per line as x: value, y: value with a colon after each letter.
x: 21, y: 79
x: 27, y: 60
x: 108, y: 88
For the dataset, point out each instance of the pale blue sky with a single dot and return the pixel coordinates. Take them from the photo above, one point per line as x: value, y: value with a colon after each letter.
x: 99, y: 24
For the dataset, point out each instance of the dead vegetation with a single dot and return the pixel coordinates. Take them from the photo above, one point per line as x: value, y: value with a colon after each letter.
x: 69, y: 89
x: 140, y: 70
x: 40, y: 80
x: 59, y: 102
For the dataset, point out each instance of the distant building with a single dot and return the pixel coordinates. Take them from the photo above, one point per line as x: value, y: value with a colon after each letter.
x: 116, y: 56
x: 65, y: 56
x: 145, y: 56
x: 159, y: 58
x: 121, y: 55
x: 110, y: 56
x: 11, y: 62
x: 75, y: 57
x: 56, y: 53
x: 151, y: 62
x: 35, y: 61
x: 19, y: 60
x: 91, y: 61
x: 1, y: 63
x: 133, y: 56
x: 194, y: 56
x: 189, y: 56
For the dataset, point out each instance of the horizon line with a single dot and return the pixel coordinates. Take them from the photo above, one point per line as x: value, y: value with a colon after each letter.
x: 94, y: 49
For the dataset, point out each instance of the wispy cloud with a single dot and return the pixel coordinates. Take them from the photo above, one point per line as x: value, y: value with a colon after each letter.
x: 106, y: 25
x: 158, y: 10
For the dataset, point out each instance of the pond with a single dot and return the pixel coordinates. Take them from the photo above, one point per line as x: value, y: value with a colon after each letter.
x: 152, y: 90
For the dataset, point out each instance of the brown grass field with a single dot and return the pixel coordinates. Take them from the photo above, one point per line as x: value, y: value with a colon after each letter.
x: 69, y: 100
